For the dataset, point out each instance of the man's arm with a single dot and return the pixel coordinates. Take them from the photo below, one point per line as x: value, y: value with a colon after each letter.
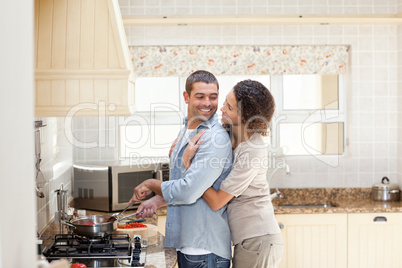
x: 146, y: 188
x: 207, y: 166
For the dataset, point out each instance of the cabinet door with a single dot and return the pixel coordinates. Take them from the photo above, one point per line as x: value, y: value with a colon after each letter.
x: 161, y: 224
x: 314, y: 240
x: 374, y: 240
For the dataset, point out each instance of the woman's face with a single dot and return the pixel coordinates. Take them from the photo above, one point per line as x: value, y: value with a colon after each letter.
x: 230, y: 111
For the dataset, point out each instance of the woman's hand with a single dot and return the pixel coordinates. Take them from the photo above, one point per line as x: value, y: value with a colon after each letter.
x: 192, y: 148
x: 172, y: 146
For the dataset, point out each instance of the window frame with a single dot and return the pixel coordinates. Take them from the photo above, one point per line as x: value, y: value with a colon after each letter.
x: 308, y: 116
x: 281, y: 116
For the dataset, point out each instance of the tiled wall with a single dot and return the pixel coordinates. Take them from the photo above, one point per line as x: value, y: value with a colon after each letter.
x: 229, y: 7
x: 372, y: 92
x: 56, y: 155
x: 98, y: 139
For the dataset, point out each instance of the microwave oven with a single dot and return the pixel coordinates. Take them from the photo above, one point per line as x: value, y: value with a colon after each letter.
x: 110, y: 187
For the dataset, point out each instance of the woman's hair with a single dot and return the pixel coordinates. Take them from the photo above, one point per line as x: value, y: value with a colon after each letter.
x: 256, y: 105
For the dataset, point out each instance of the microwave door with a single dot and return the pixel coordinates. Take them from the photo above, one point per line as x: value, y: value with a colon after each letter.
x: 124, y: 180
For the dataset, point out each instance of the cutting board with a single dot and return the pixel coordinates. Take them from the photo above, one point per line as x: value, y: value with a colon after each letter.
x: 150, y: 232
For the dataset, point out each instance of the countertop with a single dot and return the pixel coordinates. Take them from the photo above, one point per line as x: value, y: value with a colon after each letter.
x: 341, y: 200
x: 157, y: 255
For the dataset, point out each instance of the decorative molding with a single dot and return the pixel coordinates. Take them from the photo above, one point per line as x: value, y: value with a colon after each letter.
x: 64, y: 111
x: 239, y: 60
x: 270, y: 19
x: 67, y: 74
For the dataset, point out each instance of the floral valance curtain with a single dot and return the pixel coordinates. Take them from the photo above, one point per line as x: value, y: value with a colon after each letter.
x: 238, y: 60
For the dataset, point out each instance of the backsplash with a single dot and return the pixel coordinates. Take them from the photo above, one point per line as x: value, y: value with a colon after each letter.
x: 56, y: 155
x: 98, y: 138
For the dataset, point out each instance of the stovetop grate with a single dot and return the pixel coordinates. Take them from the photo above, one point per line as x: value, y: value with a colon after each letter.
x: 70, y: 245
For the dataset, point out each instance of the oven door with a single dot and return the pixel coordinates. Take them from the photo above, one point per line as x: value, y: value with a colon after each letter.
x: 124, y: 179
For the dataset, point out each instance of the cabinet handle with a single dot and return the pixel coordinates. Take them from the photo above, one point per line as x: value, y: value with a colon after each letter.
x: 380, y: 219
x: 281, y: 226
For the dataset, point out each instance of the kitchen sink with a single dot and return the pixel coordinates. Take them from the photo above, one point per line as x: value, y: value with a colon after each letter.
x: 320, y: 205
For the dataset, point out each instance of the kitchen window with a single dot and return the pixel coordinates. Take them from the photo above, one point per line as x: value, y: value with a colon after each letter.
x: 151, y: 130
x: 310, y: 114
x: 309, y: 118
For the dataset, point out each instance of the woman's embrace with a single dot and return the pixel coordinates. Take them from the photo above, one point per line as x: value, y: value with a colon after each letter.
x: 246, y: 113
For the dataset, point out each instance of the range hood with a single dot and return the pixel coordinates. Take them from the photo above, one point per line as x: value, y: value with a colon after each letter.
x: 82, y: 61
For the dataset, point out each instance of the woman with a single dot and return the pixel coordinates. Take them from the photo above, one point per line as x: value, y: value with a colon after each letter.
x: 247, y: 111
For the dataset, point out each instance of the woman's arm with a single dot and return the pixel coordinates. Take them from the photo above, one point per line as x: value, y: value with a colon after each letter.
x: 216, y: 199
x: 192, y: 148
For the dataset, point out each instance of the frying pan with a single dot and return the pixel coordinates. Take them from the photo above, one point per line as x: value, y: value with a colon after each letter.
x: 101, y: 225
x: 83, y: 226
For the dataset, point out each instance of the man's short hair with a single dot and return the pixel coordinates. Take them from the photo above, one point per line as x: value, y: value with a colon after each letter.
x: 200, y: 76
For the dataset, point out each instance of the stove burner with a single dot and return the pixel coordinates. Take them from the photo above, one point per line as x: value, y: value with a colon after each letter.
x: 67, y: 245
x: 109, y: 251
x: 67, y: 249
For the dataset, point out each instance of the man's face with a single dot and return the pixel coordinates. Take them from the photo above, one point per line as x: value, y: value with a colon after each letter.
x: 202, y: 104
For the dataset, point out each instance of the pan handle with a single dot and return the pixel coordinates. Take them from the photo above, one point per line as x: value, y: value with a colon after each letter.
x: 69, y: 224
x: 130, y: 216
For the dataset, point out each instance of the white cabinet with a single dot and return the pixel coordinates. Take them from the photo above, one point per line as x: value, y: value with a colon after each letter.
x: 314, y: 240
x: 83, y: 65
x: 375, y: 240
x: 161, y: 224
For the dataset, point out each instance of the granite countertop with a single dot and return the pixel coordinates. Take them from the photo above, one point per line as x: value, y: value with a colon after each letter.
x: 338, y: 200
x: 157, y: 255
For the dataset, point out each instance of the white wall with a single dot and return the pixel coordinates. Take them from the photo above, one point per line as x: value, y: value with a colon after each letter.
x: 56, y: 155
x: 372, y: 93
x: 399, y: 98
x: 17, y: 196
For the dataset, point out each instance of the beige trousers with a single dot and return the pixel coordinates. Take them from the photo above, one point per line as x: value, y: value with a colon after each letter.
x: 257, y: 252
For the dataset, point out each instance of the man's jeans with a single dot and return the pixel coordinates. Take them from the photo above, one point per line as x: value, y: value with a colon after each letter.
x: 202, y: 261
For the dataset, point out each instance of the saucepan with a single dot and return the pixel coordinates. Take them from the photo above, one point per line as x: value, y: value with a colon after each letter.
x: 385, y: 191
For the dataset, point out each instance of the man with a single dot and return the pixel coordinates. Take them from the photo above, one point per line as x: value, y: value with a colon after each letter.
x: 201, y: 236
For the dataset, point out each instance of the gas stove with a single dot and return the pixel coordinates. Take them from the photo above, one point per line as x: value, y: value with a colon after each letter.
x: 115, y: 250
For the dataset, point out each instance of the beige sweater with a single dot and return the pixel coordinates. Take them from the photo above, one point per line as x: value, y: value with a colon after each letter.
x: 250, y: 212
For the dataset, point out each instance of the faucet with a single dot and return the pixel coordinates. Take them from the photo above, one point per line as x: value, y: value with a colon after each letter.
x: 277, y: 193
x: 287, y: 170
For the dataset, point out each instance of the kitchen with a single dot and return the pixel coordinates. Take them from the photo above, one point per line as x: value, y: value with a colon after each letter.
x: 374, y: 103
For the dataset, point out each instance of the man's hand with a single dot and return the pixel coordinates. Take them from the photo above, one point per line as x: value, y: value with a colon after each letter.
x: 145, y: 189
x: 140, y: 192
x: 148, y: 208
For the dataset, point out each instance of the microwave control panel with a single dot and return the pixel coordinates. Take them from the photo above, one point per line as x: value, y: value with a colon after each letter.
x: 165, y: 172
